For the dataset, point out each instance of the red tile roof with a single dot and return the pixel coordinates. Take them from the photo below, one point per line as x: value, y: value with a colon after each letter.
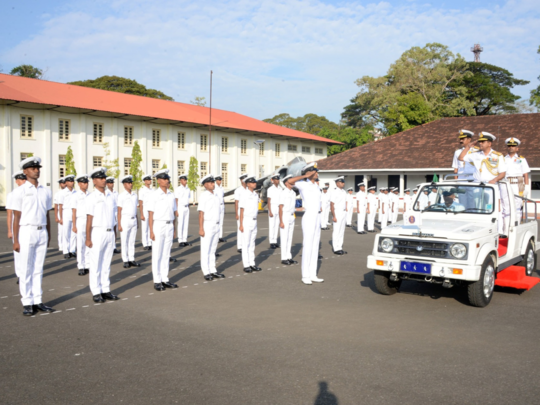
x: 27, y: 90
x: 433, y: 145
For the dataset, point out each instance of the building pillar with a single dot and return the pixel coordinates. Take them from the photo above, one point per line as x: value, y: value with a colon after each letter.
x: 401, y: 184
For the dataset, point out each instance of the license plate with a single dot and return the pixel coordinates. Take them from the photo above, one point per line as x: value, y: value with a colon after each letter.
x: 415, y: 267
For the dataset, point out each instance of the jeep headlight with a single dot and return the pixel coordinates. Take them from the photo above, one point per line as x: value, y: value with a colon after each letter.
x: 387, y: 245
x: 458, y: 250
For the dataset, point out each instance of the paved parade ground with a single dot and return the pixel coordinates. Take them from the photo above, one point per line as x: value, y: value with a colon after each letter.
x: 262, y: 338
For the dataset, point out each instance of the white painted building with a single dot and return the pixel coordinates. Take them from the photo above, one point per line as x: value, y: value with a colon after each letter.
x: 45, y: 118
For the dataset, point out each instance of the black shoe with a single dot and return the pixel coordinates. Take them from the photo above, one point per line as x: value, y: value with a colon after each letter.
x: 273, y: 246
x: 286, y: 262
x: 217, y: 275
x: 73, y: 254
x: 98, y: 298
x: 86, y: 271
x: 146, y: 248
x: 82, y: 272
x: 255, y: 268
x: 43, y: 308
x: 17, y: 280
x: 109, y: 296
x: 172, y: 260
x: 320, y: 257
x: 239, y: 250
x: 149, y: 247
x: 291, y: 261
x: 116, y: 251
x: 248, y: 270
x: 208, y: 277
x: 217, y: 254
x: 135, y: 264
x: 221, y: 240
x: 341, y: 252
x: 277, y: 246
x: 348, y: 226
x: 28, y: 310
x: 168, y: 284
x: 158, y: 287
x: 67, y: 256
x: 127, y: 265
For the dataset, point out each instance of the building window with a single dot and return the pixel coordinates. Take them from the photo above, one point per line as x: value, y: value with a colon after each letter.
x: 98, y: 161
x: 27, y: 126
x: 261, y: 171
x: 156, y: 138
x: 98, y: 133
x: 291, y: 148
x: 278, y: 149
x: 127, y: 166
x: 203, y: 169
x: 306, y: 149
x: 204, y: 143
x: 277, y: 167
x: 225, y: 175
x: 243, y: 146
x: 243, y: 168
x: 181, y: 140
x: 225, y: 144
x: 63, y: 130
x: 261, y: 149
x: 181, y: 165
x: 128, y: 136
x: 319, y: 151
x: 26, y: 156
x: 61, y: 165
x: 155, y: 169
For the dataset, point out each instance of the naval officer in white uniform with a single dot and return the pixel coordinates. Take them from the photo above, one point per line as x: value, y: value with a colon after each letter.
x: 325, y: 201
x: 249, y: 210
x: 162, y: 211
x: 100, y: 211
x: 127, y: 221
x: 371, y: 208
x: 79, y: 224
x: 311, y: 221
x: 110, y: 186
x: 30, y: 204
x: 273, y: 211
x: 237, y: 195
x: 20, y: 179
x: 350, y: 206
x: 220, y: 192
x: 209, y: 217
x: 287, y: 209
x: 517, y: 173
x: 144, y: 192
x: 361, y: 203
x: 60, y: 231
x: 182, y: 195
x: 338, y: 207
x: 69, y: 242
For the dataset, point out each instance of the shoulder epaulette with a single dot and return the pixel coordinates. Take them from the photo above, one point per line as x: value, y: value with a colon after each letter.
x: 521, y: 157
x: 497, y: 153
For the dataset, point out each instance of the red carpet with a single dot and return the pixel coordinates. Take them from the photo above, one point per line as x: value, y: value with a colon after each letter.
x: 514, y: 277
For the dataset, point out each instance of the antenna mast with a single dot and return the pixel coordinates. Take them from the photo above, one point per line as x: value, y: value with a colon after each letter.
x: 477, y: 49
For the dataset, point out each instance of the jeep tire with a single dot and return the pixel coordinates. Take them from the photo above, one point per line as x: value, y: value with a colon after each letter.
x: 480, y: 292
x: 529, y: 259
x: 383, y: 284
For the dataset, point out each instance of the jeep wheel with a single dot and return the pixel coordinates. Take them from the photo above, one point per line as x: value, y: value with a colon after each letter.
x: 481, y: 291
x: 383, y: 283
x: 529, y: 260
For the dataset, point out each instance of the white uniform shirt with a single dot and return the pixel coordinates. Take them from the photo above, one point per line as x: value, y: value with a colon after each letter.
x: 102, y: 207
x: 144, y: 192
x: 325, y: 199
x: 209, y: 204
x: 66, y: 198
x: 372, y: 201
x: 423, y: 201
x: 350, y: 201
x: 273, y: 193
x: 129, y: 203
x: 432, y: 198
x: 56, y: 199
x: 516, y: 166
x: 9, y: 203
x: 487, y: 166
x: 183, y: 194
x: 407, y: 202
x: 339, y: 198
x: 384, y: 199
x: 287, y: 198
x: 463, y: 167
x: 361, y: 199
x: 220, y: 192
x: 33, y: 203
x: 311, y: 195
x: 79, y: 203
x: 249, y: 201
x: 163, y: 205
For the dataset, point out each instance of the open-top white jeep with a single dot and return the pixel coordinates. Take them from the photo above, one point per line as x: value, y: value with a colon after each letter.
x: 454, y: 242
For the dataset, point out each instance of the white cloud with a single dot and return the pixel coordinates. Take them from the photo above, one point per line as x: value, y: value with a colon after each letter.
x: 272, y: 56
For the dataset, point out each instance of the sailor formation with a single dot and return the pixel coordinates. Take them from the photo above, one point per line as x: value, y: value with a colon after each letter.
x: 88, y: 222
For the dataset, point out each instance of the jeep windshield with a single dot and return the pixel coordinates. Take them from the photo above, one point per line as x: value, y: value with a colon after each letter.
x: 456, y: 198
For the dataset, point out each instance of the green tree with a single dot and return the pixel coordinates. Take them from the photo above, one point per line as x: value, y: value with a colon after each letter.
x: 27, y: 71
x: 193, y: 174
x: 350, y: 137
x: 135, y: 168
x: 310, y: 123
x: 70, y: 162
x: 488, y: 88
x: 112, y: 166
x: 121, y: 85
x: 424, y: 84
x: 535, y: 94
x: 200, y: 101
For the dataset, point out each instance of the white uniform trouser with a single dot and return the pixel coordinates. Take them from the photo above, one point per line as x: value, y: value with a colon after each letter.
x: 60, y: 237
x: 16, y: 259
x: 383, y: 217
x: 208, y: 247
x: 248, y: 241
x: 101, y: 255
x: 505, y: 210
x: 311, y: 231
x: 33, y: 243
x: 518, y: 202
x: 324, y: 219
x: 221, y: 218
x: 339, y: 230
x: 371, y: 220
x: 239, y: 236
x: 350, y: 211
x: 127, y: 238
x: 145, y: 230
x: 183, y: 221
x: 83, y: 253
x: 361, y: 218
x: 395, y: 213
x: 286, y: 235
x: 69, y: 244
x: 273, y: 224
x: 161, y: 250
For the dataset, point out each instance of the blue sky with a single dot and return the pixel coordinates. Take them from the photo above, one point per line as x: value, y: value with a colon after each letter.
x: 268, y: 57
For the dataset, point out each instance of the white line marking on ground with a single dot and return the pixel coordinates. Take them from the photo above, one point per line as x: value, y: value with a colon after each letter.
x: 123, y: 299
x: 85, y: 306
x: 184, y: 286
x: 44, y: 314
x: 137, y: 296
x: 70, y: 309
x: 4, y: 297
